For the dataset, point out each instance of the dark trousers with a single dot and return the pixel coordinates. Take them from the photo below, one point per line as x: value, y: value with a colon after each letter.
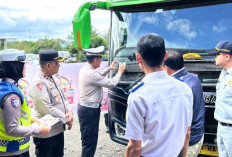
x: 49, y: 147
x: 26, y: 154
x: 106, y: 116
x: 89, y: 126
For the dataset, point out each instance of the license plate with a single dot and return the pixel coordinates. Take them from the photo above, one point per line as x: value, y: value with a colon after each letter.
x: 209, y: 150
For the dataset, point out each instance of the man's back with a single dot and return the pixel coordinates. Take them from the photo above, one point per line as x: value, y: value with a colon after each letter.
x: 159, y: 114
x: 197, y: 127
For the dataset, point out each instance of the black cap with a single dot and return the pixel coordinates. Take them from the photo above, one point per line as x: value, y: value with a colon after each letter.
x: 222, y: 47
x: 50, y: 55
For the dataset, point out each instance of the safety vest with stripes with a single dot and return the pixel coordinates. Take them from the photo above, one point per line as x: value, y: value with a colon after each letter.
x: 9, y: 143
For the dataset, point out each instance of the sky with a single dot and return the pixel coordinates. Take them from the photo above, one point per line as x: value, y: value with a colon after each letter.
x: 196, y: 28
x: 34, y: 19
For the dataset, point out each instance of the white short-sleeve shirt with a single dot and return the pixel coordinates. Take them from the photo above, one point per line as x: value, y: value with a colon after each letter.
x: 159, y: 113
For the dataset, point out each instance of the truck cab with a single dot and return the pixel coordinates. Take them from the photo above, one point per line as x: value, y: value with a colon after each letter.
x: 188, y: 26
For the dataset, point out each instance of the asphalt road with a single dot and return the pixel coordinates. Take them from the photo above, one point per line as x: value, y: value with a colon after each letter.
x: 105, y: 148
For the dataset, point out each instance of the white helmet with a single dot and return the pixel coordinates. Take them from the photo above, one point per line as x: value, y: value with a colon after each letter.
x: 12, y: 55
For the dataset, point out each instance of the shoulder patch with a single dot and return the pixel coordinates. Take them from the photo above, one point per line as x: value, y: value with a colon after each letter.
x: 136, y: 87
x: 40, y: 86
x: 178, y: 79
x: 15, y: 101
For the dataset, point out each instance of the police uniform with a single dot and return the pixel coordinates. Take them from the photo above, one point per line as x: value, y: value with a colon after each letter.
x: 91, y: 94
x: 15, y: 115
x: 159, y: 114
x: 223, y: 104
x: 49, y: 98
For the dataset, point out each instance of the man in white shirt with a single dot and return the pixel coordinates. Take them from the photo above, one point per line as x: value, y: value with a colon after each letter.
x: 159, y: 109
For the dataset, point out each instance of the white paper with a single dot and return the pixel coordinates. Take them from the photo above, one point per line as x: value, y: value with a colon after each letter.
x: 48, y: 120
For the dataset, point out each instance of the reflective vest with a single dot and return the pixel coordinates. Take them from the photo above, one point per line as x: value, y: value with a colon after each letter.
x: 9, y: 143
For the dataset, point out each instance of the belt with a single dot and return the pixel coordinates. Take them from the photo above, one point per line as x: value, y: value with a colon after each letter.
x: 90, y: 105
x: 225, y: 124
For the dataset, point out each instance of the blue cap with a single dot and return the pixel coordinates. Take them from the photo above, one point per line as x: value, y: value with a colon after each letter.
x: 222, y: 47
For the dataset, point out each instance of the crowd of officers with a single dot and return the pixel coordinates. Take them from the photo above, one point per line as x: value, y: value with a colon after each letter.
x: 165, y: 114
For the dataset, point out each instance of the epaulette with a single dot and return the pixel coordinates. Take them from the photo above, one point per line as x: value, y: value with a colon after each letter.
x: 178, y: 78
x: 136, y: 87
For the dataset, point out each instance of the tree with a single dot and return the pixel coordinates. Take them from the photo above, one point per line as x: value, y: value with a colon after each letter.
x: 47, y: 43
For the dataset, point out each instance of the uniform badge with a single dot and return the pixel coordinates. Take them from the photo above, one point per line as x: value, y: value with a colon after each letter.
x: 229, y: 83
x: 40, y: 86
x: 15, y: 102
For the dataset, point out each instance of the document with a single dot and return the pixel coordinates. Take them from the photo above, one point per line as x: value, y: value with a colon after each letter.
x: 48, y: 120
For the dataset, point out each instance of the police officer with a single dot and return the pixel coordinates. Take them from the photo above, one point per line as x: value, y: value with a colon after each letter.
x: 223, y: 104
x: 15, y: 116
x: 49, y: 99
x: 90, y: 85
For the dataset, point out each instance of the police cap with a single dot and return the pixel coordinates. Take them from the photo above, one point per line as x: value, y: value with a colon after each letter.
x: 12, y: 55
x: 50, y: 55
x: 98, y: 51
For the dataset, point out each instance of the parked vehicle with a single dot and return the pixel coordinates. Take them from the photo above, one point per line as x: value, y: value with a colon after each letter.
x: 65, y: 54
x: 189, y: 26
x: 32, y: 58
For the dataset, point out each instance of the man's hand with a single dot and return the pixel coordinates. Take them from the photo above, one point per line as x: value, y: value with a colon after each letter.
x: 122, y: 68
x: 133, y: 148
x: 111, y: 67
x: 69, y: 119
x: 186, y: 143
x: 36, y: 120
x: 44, y: 129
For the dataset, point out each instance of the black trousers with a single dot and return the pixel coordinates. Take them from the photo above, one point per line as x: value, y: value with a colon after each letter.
x: 49, y: 147
x: 106, y: 116
x: 89, y: 126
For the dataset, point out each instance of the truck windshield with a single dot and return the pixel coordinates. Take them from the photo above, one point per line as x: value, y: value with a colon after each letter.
x: 189, y: 30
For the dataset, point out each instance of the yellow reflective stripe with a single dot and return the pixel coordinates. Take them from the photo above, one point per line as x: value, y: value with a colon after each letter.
x: 24, y: 146
x: 2, y: 149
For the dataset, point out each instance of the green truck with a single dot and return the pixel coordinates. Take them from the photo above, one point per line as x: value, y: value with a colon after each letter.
x: 189, y: 26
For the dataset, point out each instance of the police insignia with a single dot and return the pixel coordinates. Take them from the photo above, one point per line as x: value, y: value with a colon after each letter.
x: 229, y: 83
x: 40, y: 86
x: 15, y: 102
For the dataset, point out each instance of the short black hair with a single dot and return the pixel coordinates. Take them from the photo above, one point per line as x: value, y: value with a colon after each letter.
x: 42, y: 63
x: 175, y: 60
x: 91, y: 58
x: 152, y: 49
